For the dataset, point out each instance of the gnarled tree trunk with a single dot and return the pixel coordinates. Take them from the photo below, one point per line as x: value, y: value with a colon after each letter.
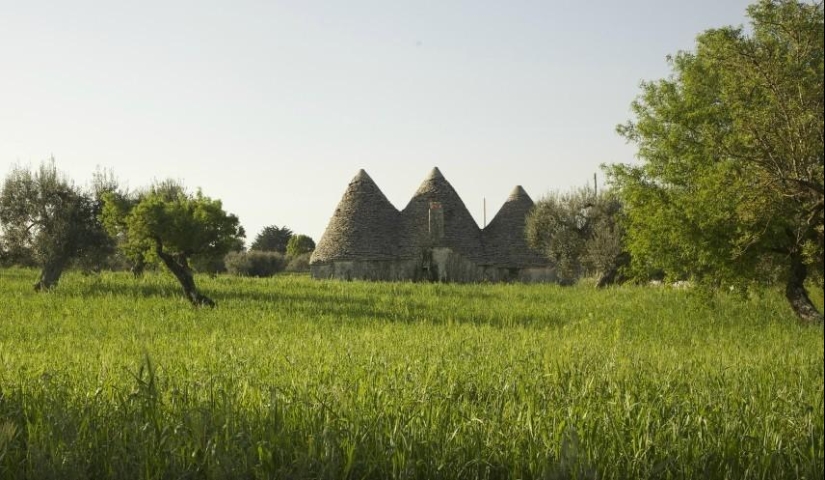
x: 138, y: 267
x: 797, y: 295
x: 179, y: 266
x: 50, y: 274
x: 612, y: 275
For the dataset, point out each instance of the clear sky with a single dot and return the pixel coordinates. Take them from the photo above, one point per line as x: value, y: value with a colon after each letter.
x: 273, y: 106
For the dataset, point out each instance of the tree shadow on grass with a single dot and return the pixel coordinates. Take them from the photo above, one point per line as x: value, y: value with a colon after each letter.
x: 407, y: 306
x: 21, y: 276
x: 349, y: 303
x: 130, y: 289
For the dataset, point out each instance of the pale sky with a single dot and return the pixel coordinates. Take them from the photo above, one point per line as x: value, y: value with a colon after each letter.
x: 273, y: 106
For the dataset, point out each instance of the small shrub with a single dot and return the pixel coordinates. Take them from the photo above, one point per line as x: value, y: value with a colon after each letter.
x: 113, y: 262
x: 299, y: 263
x: 254, y: 263
x: 209, y: 265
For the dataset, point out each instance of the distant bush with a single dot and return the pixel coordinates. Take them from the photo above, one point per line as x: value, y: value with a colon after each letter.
x: 272, y: 239
x: 210, y: 265
x: 299, y: 263
x: 254, y: 263
x: 214, y: 265
x: 299, y: 244
x: 96, y: 263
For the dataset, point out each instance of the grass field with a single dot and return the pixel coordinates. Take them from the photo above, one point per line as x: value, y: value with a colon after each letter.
x: 109, y: 377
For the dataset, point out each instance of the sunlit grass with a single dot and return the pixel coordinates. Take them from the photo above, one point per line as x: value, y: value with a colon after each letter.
x: 108, y: 377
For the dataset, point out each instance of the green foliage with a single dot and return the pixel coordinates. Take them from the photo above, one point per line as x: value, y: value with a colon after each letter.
x: 254, y: 263
x: 15, y: 252
x: 272, y: 239
x: 294, y: 378
x: 579, y: 231
x: 47, y: 220
x: 215, y: 264
x: 193, y: 226
x: 730, y: 190
x: 299, y: 245
x: 168, y: 224
x: 188, y: 225
x: 732, y: 145
x: 299, y: 263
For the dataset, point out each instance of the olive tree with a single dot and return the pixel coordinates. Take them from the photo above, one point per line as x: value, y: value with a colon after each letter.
x: 46, y: 217
x: 579, y: 231
x: 174, y: 227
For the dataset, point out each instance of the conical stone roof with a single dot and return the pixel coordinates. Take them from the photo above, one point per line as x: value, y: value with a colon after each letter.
x: 505, y: 243
x: 460, y: 231
x: 364, y: 226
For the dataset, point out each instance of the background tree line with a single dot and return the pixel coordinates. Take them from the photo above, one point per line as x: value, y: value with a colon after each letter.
x: 275, y: 249
x: 50, y: 222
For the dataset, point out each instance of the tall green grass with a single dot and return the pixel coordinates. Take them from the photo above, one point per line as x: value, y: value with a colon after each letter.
x: 108, y: 377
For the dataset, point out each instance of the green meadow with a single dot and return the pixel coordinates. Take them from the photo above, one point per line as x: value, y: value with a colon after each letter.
x: 108, y: 377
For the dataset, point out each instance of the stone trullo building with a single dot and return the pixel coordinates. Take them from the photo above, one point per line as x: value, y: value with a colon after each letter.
x: 434, y: 238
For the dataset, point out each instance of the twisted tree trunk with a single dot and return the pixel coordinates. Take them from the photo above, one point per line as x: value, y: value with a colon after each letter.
x: 50, y: 274
x: 179, y: 266
x: 612, y: 275
x: 797, y: 295
x: 138, y: 267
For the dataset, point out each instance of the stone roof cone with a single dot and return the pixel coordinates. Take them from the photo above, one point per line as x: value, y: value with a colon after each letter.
x: 460, y: 231
x: 504, y: 238
x: 364, y: 226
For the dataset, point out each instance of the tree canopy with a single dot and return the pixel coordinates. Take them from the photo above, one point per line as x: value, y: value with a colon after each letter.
x: 47, y: 218
x: 730, y: 186
x: 579, y: 232
x: 299, y: 245
x: 168, y: 224
x: 272, y: 239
